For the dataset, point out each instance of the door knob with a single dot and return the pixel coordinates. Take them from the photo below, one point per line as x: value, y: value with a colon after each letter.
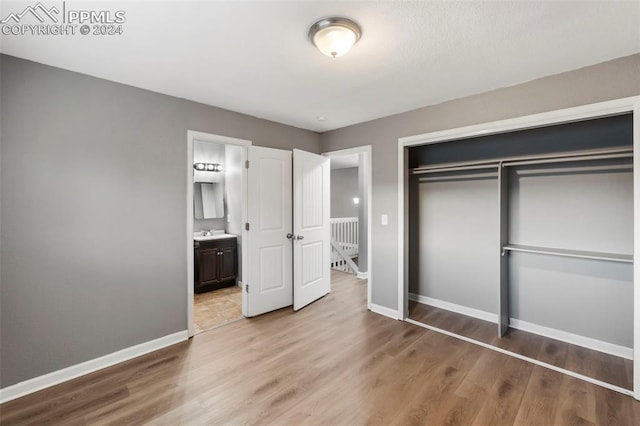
x: 290, y: 236
x: 299, y: 237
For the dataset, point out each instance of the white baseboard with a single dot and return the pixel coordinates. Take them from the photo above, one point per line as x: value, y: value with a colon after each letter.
x: 382, y: 310
x: 565, y: 336
x: 363, y: 275
x: 453, y: 307
x: 517, y: 355
x: 574, y: 339
x: 74, y: 371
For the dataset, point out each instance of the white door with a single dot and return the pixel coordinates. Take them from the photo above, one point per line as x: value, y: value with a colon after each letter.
x: 311, y: 245
x: 270, y: 257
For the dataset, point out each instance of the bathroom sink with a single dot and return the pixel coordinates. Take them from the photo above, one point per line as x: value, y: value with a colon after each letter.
x: 213, y: 237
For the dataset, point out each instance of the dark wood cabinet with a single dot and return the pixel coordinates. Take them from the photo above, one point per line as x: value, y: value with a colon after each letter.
x: 215, y: 264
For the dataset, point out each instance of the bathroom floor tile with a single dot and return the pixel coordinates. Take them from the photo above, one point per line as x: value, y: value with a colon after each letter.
x: 216, y: 307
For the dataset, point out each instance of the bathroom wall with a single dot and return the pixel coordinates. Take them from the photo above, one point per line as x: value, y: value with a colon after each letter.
x: 233, y: 196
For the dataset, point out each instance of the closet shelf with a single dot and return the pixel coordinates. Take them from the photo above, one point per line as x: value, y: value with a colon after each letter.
x: 560, y: 157
x: 581, y: 254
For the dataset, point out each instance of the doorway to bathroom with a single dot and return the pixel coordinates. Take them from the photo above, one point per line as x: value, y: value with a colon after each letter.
x: 284, y: 230
x: 216, y: 231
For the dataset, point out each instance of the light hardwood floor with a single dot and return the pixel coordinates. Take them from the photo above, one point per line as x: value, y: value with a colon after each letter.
x: 332, y: 363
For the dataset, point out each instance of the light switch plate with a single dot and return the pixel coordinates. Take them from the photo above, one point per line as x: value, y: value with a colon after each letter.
x: 384, y: 219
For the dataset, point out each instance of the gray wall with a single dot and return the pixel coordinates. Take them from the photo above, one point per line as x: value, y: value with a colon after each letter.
x: 100, y: 168
x: 93, y: 213
x: 344, y: 187
x: 458, y: 234
x: 459, y: 260
x: 609, y: 80
x: 588, y: 298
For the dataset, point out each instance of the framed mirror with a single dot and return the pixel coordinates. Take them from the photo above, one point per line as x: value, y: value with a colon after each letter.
x: 208, y: 200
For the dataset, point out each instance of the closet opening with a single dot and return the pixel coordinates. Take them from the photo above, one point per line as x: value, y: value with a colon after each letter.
x: 522, y: 239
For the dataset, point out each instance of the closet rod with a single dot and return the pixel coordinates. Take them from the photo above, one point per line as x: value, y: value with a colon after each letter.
x: 578, y: 168
x: 456, y: 169
x: 567, y: 159
x: 580, y: 254
x: 471, y: 176
x: 494, y: 162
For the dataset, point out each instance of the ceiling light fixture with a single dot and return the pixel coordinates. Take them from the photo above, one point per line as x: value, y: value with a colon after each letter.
x: 334, y: 36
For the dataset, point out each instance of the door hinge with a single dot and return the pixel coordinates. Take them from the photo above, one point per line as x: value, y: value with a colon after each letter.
x: 247, y: 288
x: 246, y: 226
x: 246, y: 164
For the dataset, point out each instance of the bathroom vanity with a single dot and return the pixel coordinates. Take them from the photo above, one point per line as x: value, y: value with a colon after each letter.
x: 215, y: 262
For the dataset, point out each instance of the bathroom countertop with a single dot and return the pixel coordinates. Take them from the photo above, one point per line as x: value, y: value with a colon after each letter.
x: 213, y: 237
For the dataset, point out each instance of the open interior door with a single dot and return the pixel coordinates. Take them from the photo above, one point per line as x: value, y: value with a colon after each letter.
x: 269, y: 214
x: 311, y: 229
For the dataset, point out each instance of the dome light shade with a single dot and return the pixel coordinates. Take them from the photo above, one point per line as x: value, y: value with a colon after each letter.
x: 334, y: 36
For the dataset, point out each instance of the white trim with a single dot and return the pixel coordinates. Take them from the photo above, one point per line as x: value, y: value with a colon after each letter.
x: 192, y: 136
x: 245, y: 234
x: 636, y: 245
x: 210, y: 137
x: 403, y: 260
x: 348, y: 151
x: 524, y: 358
x: 574, y: 339
x: 50, y: 379
x: 600, y: 109
x: 190, y: 267
x: 383, y: 310
x: 454, y: 307
x: 564, y: 336
x: 364, y: 149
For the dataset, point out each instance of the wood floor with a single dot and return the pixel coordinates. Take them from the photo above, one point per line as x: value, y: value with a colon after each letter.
x: 216, y: 307
x: 332, y: 363
x: 607, y: 368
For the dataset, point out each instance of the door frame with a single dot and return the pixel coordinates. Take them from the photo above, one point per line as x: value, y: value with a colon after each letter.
x: 583, y: 112
x: 192, y: 136
x: 364, y: 149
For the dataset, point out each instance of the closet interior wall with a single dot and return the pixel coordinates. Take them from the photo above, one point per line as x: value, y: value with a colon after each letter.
x: 461, y: 217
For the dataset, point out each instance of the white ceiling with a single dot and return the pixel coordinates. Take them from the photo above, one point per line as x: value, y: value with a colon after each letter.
x: 254, y: 57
